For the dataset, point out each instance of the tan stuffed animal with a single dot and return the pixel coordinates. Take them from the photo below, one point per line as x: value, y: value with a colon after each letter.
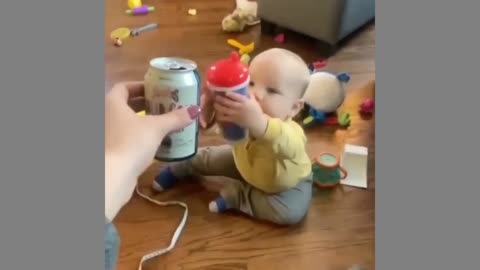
x: 244, y: 15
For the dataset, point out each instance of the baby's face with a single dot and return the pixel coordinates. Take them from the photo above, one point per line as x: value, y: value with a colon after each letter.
x: 275, y: 85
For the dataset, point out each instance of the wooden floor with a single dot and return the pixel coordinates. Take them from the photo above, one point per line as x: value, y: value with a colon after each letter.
x: 339, y: 230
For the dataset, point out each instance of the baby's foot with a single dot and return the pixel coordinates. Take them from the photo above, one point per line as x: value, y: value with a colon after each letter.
x: 218, y: 205
x: 164, y: 180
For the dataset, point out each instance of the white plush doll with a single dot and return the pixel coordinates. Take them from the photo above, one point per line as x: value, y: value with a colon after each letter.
x: 324, y: 95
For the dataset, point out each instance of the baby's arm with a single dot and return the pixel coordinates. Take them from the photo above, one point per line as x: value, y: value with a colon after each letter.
x: 286, y: 138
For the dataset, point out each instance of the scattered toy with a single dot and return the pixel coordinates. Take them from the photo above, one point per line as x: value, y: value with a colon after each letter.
x: 367, y: 106
x: 327, y: 172
x: 343, y: 77
x: 134, y: 3
x: 280, y: 38
x: 141, y: 10
x: 192, y: 12
x: 344, y: 119
x: 245, y: 58
x: 117, y: 42
x: 244, y: 15
x: 319, y: 64
x: 324, y: 96
x: 242, y: 49
x: 315, y: 67
x: 139, y: 30
x: 121, y: 33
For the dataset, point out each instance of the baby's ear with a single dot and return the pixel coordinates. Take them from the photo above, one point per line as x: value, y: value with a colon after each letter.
x: 297, y: 107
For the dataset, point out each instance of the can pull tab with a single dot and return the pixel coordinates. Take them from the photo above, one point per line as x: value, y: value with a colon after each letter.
x: 175, y: 66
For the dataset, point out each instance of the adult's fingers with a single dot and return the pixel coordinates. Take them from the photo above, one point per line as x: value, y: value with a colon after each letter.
x: 174, y: 120
x: 207, y: 120
x: 128, y: 90
x: 208, y: 112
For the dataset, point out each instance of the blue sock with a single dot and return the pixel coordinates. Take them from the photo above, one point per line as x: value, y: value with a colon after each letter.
x: 165, y: 178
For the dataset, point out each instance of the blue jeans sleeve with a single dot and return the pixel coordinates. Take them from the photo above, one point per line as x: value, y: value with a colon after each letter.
x: 112, y: 244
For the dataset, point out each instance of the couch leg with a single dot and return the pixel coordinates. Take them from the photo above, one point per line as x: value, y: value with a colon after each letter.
x: 325, y: 49
x: 267, y: 27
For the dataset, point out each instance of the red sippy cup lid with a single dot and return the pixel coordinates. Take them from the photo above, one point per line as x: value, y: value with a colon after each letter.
x: 226, y: 73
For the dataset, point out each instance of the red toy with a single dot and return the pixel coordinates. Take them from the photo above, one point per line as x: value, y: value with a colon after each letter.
x: 367, y: 106
x: 280, y: 38
x: 319, y: 64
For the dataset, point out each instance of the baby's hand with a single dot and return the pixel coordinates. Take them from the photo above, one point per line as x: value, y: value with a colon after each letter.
x: 241, y: 110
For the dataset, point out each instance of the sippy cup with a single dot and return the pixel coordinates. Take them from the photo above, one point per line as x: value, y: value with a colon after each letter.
x: 229, y: 75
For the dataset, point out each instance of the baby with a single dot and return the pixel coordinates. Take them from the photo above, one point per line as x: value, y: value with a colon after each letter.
x: 270, y: 168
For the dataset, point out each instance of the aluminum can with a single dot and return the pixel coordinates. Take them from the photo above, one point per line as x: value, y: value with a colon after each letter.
x: 173, y: 83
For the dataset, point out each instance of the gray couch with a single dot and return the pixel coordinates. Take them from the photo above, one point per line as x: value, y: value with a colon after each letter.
x: 329, y: 21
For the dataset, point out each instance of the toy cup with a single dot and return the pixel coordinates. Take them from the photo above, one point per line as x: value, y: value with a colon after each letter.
x: 229, y: 75
x: 327, y: 172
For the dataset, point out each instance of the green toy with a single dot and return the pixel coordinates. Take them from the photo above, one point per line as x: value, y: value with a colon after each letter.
x: 344, y: 119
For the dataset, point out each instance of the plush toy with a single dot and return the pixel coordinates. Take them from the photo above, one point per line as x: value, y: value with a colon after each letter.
x: 324, y: 96
x: 367, y: 106
x: 244, y: 15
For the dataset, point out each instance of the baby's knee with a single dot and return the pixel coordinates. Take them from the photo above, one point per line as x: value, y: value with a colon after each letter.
x: 294, y: 208
x: 292, y: 216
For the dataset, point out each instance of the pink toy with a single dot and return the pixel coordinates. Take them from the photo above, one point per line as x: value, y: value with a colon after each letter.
x: 141, y: 10
x: 319, y: 64
x: 367, y: 106
x: 280, y: 38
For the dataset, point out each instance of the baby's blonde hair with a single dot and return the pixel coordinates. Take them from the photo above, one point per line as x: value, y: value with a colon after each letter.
x: 304, y: 79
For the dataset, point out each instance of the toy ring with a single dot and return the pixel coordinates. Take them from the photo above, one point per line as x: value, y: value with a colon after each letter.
x: 121, y: 33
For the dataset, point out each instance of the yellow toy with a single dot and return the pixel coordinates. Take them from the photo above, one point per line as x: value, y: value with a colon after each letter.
x: 134, y: 3
x: 242, y: 49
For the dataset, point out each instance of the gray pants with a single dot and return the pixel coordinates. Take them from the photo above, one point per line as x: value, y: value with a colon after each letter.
x: 112, y: 245
x: 285, y: 208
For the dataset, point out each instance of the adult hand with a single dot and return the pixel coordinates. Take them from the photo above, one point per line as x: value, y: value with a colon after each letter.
x: 131, y: 141
x: 207, y: 117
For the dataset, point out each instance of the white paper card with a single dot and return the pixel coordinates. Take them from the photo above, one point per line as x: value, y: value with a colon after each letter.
x: 354, y: 161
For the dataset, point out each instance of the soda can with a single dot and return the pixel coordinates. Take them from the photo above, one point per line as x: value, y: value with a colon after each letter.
x: 173, y: 83
x: 229, y: 75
